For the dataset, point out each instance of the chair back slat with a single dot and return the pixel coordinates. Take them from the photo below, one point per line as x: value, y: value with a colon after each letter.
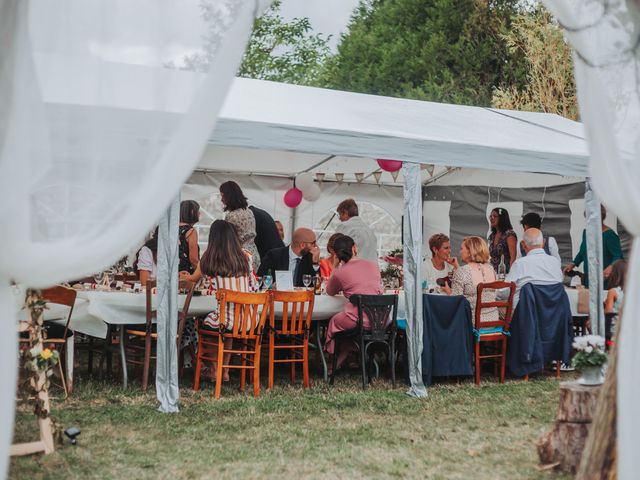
x: 62, y: 296
x: 482, y: 305
x: 186, y: 287
x: 381, y: 310
x: 248, y: 310
x: 300, y: 305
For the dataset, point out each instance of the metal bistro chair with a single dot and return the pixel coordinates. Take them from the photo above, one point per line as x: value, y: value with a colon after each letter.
x: 382, y: 311
x: 291, y: 333
x: 140, y: 342
x: 493, y: 331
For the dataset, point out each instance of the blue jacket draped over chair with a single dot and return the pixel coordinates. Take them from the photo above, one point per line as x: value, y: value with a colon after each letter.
x: 541, y: 329
x: 447, y: 337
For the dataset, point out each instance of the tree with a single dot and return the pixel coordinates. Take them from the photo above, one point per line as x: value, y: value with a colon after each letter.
x: 441, y: 50
x: 277, y: 50
x: 550, y: 85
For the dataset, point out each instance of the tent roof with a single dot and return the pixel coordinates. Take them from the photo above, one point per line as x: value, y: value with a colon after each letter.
x: 319, y: 122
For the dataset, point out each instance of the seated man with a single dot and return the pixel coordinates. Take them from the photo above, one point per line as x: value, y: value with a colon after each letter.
x: 301, y: 257
x: 536, y: 267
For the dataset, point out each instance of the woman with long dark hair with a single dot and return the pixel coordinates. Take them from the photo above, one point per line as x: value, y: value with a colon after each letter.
x: 350, y: 275
x: 188, y: 250
x: 238, y: 213
x: 228, y: 267
x: 146, y: 262
x: 502, y: 240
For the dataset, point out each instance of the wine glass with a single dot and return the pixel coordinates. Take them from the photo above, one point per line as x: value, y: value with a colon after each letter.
x: 98, y: 277
x: 306, y: 280
x: 267, y: 281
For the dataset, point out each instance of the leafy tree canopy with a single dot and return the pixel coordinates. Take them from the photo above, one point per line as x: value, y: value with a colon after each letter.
x: 440, y: 50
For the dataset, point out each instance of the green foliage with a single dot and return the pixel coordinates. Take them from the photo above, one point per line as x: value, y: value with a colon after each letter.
x: 550, y: 84
x: 592, y: 359
x: 278, y: 50
x: 440, y: 50
x: 284, y: 51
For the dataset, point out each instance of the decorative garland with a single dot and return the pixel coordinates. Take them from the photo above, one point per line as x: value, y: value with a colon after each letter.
x: 37, y: 361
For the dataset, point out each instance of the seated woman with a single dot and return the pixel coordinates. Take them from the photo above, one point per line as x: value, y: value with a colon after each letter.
x: 188, y: 250
x: 477, y: 269
x: 351, y: 275
x: 326, y: 264
x: 615, y: 294
x: 146, y: 259
x: 228, y: 267
x: 441, y: 264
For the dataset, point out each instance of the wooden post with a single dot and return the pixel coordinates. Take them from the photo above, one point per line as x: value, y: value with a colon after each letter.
x: 46, y: 443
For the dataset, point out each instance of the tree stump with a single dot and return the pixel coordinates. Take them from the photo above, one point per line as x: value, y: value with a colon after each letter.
x: 564, y: 443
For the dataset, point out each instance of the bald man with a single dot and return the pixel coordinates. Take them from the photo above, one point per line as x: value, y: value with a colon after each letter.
x: 301, y: 257
x: 537, y: 267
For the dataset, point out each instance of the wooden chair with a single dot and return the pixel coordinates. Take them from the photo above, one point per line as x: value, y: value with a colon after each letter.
x: 294, y: 326
x: 382, y: 311
x: 61, y: 296
x: 140, y: 343
x: 493, y: 331
x: 248, y: 324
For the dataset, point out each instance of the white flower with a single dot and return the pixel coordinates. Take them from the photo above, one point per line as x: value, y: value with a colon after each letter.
x: 588, y: 349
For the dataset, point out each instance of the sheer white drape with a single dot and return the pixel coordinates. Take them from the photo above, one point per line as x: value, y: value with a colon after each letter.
x: 605, y: 35
x: 99, y: 127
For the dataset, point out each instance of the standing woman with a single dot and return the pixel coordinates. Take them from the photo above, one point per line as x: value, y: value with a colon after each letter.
x: 239, y: 215
x: 188, y: 249
x: 502, y: 240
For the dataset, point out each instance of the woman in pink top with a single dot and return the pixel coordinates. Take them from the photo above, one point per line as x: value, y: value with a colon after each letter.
x: 475, y: 253
x: 351, y: 275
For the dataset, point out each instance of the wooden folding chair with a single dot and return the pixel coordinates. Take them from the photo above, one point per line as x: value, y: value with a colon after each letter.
x: 493, y: 331
x: 248, y: 313
x: 61, y: 296
x: 140, y: 343
x: 293, y: 326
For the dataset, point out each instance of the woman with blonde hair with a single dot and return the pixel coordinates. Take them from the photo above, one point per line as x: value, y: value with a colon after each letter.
x: 474, y: 252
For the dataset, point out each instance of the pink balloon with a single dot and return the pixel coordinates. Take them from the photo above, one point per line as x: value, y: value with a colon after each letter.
x: 293, y: 197
x: 389, y: 165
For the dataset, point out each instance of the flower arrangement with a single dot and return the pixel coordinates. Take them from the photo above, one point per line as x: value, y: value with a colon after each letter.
x: 590, y: 351
x: 37, y: 360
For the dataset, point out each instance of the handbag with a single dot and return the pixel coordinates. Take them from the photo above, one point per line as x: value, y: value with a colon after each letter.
x: 583, y: 300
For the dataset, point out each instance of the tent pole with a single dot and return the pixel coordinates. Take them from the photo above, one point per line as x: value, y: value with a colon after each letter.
x: 412, y: 254
x: 167, y: 388
x: 594, y: 259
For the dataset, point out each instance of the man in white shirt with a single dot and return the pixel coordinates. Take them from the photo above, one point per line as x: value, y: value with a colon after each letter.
x: 550, y: 246
x: 536, y: 267
x: 353, y: 226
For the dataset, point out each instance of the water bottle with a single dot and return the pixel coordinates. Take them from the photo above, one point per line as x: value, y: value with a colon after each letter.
x: 317, y: 285
x: 502, y: 269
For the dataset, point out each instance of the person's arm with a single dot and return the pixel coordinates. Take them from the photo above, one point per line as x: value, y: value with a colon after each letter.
x: 192, y: 242
x: 193, y: 277
x: 611, y: 299
x: 582, y: 252
x: 334, y: 285
x: 144, y: 276
x: 512, y: 246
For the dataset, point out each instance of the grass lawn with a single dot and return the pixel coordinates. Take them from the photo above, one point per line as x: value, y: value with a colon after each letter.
x: 460, y: 431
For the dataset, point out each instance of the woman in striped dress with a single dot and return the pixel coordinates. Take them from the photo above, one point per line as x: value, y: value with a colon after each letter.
x: 227, y: 266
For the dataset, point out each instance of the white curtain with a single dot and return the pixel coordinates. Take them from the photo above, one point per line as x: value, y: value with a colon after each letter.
x: 100, y: 124
x: 605, y: 35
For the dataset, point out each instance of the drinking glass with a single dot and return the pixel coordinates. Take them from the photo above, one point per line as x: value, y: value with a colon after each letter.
x: 306, y: 280
x: 267, y: 281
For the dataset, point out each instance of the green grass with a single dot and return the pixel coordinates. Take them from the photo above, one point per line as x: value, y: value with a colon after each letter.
x: 458, y: 432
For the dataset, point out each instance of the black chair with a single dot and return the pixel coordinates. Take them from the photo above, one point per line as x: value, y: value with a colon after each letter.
x: 382, y: 311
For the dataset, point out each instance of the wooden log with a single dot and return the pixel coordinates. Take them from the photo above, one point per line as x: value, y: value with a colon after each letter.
x: 564, y: 443
x: 577, y: 402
